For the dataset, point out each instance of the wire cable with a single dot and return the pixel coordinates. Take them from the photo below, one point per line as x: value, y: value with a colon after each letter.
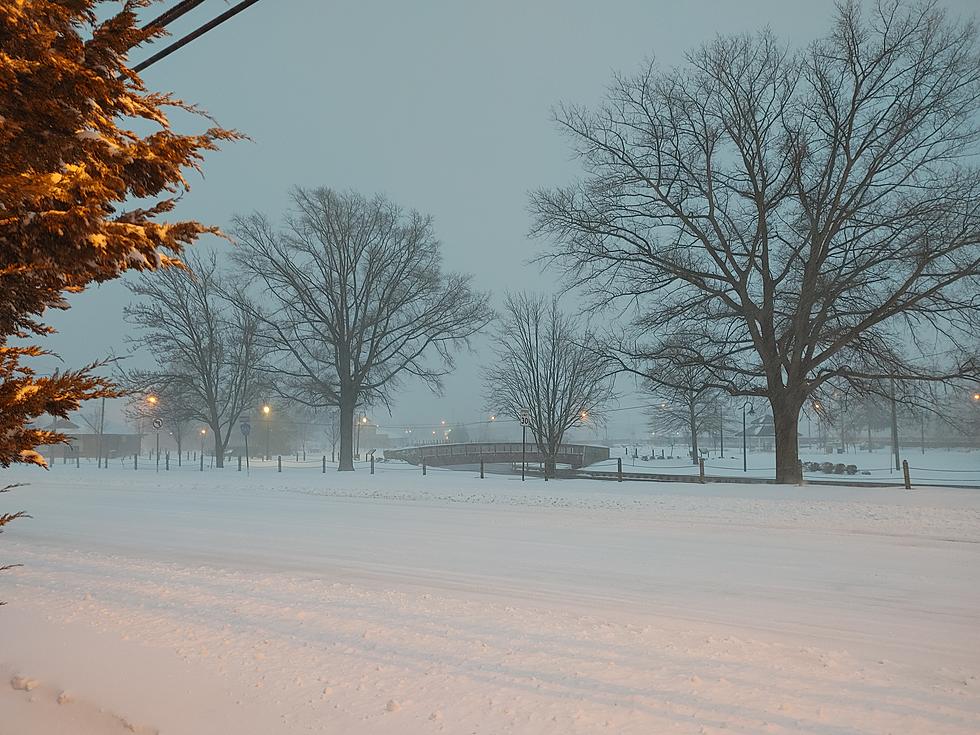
x: 195, y: 34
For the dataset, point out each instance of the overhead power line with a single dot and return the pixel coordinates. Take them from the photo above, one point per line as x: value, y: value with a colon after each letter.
x: 179, y: 10
x: 169, y: 16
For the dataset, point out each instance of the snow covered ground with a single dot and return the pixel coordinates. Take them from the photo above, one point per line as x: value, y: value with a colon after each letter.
x: 190, y: 602
x: 941, y: 466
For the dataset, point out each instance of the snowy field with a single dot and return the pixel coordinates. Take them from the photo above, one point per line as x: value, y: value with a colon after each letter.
x: 935, y: 466
x: 216, y: 602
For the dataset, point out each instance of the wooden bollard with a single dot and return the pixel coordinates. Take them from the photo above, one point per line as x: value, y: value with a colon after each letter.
x: 701, y: 469
x: 423, y: 466
x: 279, y: 457
x: 905, y: 471
x: 324, y: 464
x: 166, y: 461
x: 135, y: 461
x: 239, y: 463
x: 619, y: 469
x: 372, y: 464
x: 481, y: 468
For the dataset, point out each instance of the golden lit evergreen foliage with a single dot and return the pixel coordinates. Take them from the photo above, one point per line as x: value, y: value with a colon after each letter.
x: 88, y: 165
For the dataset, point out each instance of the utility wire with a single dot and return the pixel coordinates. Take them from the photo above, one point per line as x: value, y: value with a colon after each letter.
x: 180, y: 43
x: 169, y: 16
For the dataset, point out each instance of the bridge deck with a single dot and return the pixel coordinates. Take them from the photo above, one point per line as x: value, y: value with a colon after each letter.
x: 444, y: 455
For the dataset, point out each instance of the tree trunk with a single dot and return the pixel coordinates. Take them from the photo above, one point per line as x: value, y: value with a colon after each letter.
x: 346, y: 463
x: 549, y: 460
x: 896, y: 449
x: 786, y: 420
x: 219, y: 451
x: 694, y: 434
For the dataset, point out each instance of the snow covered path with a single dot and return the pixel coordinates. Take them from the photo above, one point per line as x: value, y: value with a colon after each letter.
x: 204, y: 602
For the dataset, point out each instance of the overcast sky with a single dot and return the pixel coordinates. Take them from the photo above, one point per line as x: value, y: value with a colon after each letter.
x: 443, y: 106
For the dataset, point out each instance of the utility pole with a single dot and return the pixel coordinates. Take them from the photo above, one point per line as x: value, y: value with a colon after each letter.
x: 101, y: 433
x: 895, y: 448
x: 721, y: 431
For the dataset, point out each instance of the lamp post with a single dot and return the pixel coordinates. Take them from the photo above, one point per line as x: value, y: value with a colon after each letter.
x: 266, y: 410
x: 153, y: 400
x: 721, y: 431
x: 362, y: 422
x: 745, y: 452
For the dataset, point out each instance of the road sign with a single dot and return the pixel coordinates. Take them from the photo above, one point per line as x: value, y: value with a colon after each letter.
x: 525, y: 418
x: 245, y: 427
x: 157, y: 423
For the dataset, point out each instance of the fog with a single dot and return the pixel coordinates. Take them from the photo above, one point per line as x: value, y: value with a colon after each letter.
x: 442, y: 106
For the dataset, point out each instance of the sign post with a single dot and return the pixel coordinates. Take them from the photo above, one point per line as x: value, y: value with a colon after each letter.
x: 525, y: 417
x: 246, y: 428
x: 158, y: 424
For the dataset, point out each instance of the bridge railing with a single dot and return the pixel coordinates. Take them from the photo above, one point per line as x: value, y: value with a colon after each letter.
x: 581, y: 453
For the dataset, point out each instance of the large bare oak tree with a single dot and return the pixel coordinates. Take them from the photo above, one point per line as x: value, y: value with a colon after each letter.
x: 355, y: 301
x: 793, y: 218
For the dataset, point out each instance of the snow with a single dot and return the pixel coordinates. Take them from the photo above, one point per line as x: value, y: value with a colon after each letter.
x: 934, y: 466
x: 201, y: 602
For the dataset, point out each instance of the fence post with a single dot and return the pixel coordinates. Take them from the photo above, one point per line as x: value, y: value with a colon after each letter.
x: 701, y: 469
x: 481, y: 468
x: 423, y: 466
x: 279, y: 457
x: 905, y: 471
x: 372, y: 464
x: 239, y: 463
x: 297, y: 457
x: 802, y: 478
x: 166, y: 461
x: 135, y: 458
x: 202, y: 461
x: 78, y: 459
x: 619, y: 469
x: 324, y: 464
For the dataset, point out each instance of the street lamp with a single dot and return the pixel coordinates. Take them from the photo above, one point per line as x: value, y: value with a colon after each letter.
x: 745, y: 455
x: 266, y: 410
x: 203, y: 433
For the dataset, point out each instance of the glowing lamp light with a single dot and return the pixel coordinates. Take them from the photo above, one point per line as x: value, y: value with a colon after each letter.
x: 266, y: 409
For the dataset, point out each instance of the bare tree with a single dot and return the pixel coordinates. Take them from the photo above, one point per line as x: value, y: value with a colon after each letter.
x: 688, y: 403
x: 792, y: 217
x: 544, y: 367
x: 330, y: 420
x: 358, y: 301
x: 205, y: 348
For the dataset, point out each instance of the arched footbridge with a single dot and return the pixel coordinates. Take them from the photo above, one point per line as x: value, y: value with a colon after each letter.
x: 446, y: 455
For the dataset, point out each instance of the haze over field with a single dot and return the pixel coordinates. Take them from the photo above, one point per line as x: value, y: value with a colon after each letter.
x: 445, y: 107
x: 550, y: 368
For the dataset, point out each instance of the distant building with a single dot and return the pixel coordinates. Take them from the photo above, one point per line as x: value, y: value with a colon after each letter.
x: 761, y: 433
x: 86, y: 443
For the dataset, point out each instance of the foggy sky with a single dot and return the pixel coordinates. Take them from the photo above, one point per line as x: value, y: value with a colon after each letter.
x: 442, y: 106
